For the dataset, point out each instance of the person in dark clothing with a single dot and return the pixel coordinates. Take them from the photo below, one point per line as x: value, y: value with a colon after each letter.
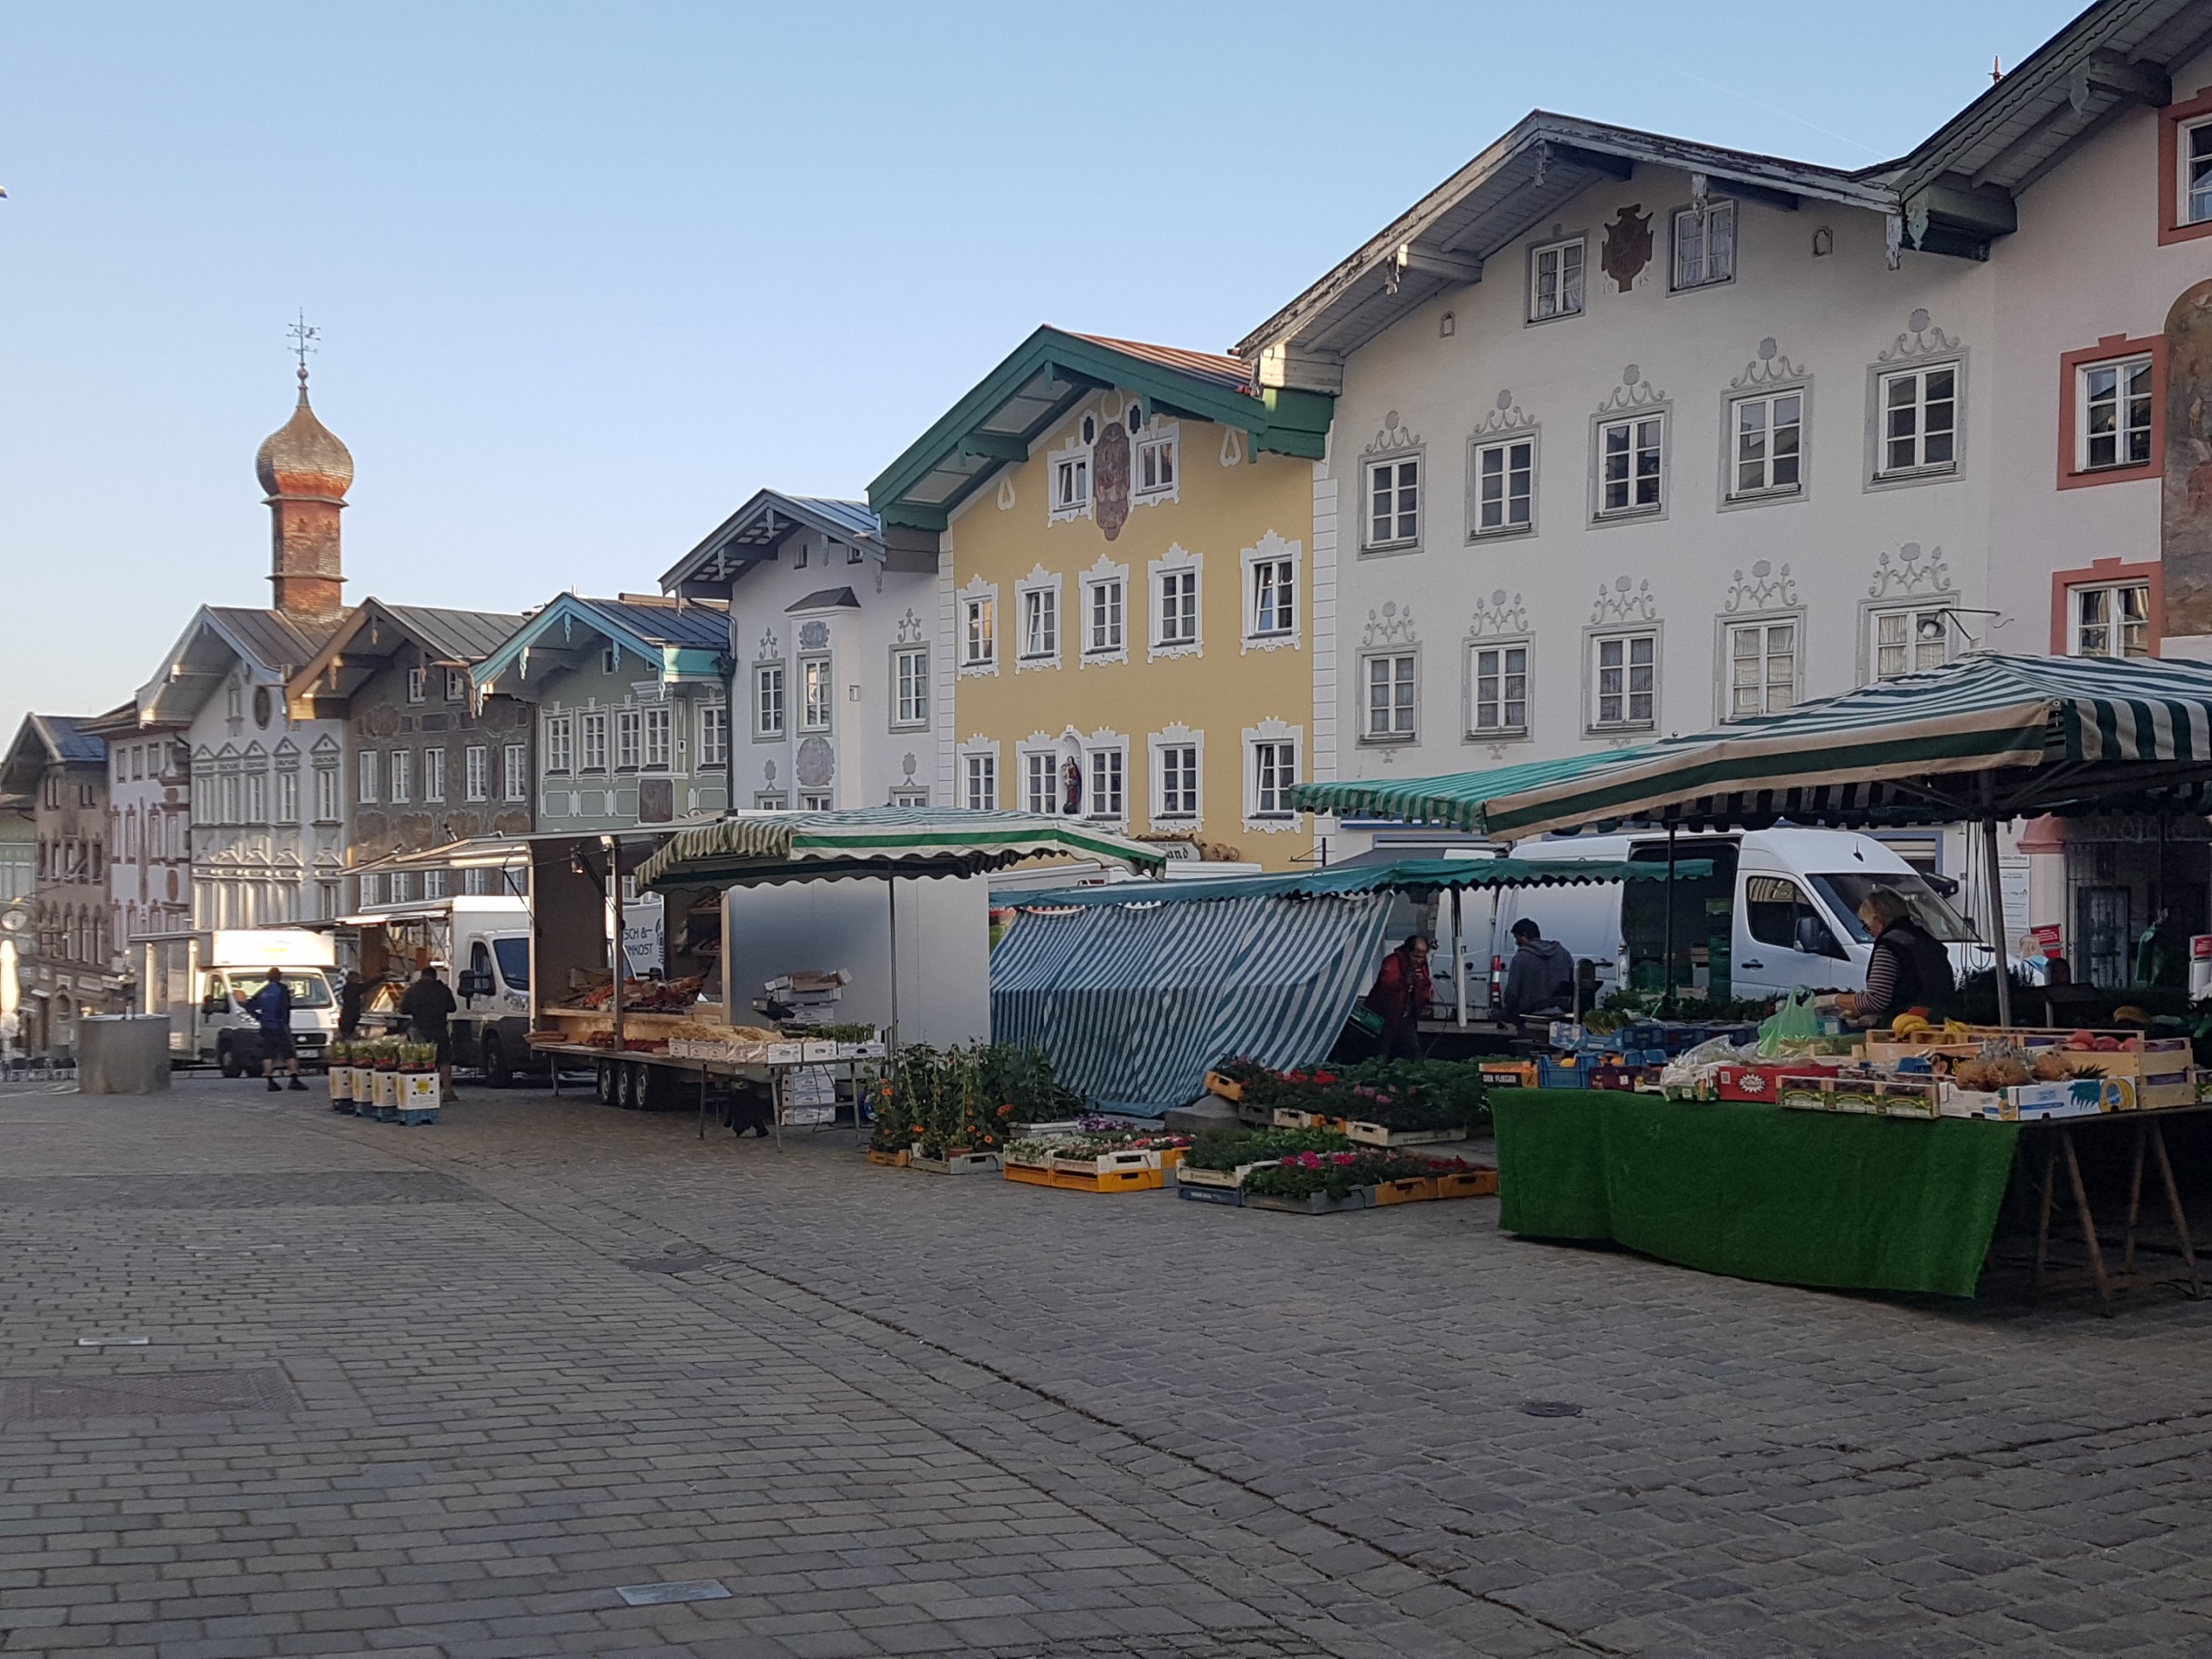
x: 428, y: 1005
x: 353, y: 993
x: 271, y: 1008
x: 1541, y: 976
x: 1402, y: 991
x: 1908, y: 970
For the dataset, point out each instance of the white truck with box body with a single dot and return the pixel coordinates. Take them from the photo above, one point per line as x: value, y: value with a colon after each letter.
x: 201, y: 981
x: 480, y: 945
x: 1779, y: 910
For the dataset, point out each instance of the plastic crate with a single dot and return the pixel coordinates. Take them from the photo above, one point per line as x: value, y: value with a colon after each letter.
x: 1550, y: 1074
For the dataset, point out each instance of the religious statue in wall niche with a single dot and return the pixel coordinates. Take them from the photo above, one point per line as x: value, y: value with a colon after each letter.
x: 1628, y: 245
x: 2185, y: 515
x: 1109, y: 480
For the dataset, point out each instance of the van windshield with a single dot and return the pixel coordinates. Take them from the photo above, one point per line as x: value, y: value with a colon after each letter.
x: 514, y: 962
x: 309, y: 989
x: 1931, y: 912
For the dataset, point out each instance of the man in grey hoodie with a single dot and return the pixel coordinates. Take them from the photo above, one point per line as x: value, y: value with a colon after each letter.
x: 1540, y: 974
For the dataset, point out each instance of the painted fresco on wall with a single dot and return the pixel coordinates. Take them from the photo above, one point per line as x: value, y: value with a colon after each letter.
x: 1628, y: 247
x: 1109, y: 480
x: 2185, y: 531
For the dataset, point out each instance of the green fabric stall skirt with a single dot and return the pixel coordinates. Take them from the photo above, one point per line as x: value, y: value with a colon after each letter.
x: 1838, y: 1201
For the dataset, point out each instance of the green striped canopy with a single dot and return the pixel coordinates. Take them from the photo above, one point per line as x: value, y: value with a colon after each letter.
x: 749, y: 848
x: 1988, y: 736
x: 1413, y: 875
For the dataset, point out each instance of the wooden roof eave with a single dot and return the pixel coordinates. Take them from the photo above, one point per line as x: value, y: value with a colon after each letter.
x: 969, y: 432
x: 1544, y: 161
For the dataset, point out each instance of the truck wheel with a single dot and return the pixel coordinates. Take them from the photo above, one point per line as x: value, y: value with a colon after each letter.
x: 633, y: 1087
x: 610, y: 1084
x: 226, y: 1056
x: 496, y: 1074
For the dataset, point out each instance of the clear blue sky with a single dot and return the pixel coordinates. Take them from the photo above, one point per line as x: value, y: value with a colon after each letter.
x: 588, y: 277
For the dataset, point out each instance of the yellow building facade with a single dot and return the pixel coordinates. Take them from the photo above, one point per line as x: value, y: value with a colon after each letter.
x: 1123, y: 538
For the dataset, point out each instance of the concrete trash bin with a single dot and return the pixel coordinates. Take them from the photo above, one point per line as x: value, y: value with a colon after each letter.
x: 123, y: 1054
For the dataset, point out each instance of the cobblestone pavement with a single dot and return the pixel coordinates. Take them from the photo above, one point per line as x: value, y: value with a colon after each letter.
x: 444, y: 1391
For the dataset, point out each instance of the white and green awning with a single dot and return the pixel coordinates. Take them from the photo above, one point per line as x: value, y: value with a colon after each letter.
x: 1985, y: 737
x: 746, y: 849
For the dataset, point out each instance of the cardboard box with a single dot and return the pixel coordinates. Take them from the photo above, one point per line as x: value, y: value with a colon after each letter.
x: 1763, y: 1081
x: 2036, y: 1103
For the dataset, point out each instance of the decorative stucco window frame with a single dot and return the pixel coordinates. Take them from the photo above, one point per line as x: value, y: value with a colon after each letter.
x: 1367, y: 738
x: 904, y: 648
x: 1770, y: 374
x: 1177, y: 559
x: 1157, y: 430
x: 1098, y: 743
x: 1271, y: 550
x: 1633, y: 400
x: 2111, y: 348
x: 1501, y: 629
x: 1103, y: 571
x: 1506, y: 424
x: 1039, y: 581
x: 976, y: 589
x: 1767, y: 594
x: 1911, y: 580
x: 1076, y: 448
x: 1175, y: 737
x: 1921, y: 348
x: 1625, y: 607
x: 1393, y: 443
x: 1269, y: 730
x: 1035, y: 747
x: 975, y: 747
x: 762, y: 734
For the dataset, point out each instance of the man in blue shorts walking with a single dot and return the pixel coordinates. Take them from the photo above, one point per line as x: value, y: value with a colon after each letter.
x: 271, y: 1008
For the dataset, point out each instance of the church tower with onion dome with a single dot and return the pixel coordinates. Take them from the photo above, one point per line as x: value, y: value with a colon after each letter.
x: 306, y: 472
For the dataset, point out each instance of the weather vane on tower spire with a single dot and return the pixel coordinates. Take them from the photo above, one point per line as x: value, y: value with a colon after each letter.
x: 303, y: 338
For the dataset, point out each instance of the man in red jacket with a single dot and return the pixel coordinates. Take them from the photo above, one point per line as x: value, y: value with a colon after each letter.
x: 1402, y: 992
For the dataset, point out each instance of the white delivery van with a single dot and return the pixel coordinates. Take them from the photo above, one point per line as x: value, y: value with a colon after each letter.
x: 1779, y: 910
x: 480, y: 945
x: 201, y: 981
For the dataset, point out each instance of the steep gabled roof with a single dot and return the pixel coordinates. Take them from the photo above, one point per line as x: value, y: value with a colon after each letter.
x: 44, y: 740
x: 373, y: 632
x: 1953, y: 194
x: 1956, y: 190
x: 756, y: 531
x: 1525, y: 178
x: 677, y: 641
x: 270, y: 643
x: 1029, y: 393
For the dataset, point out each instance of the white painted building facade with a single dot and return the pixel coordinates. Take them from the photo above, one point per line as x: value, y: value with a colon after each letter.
x: 1635, y: 435
x: 831, y: 640
x: 267, y: 792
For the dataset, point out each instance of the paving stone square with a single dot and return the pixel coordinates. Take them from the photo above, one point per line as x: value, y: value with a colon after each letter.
x: 446, y: 1391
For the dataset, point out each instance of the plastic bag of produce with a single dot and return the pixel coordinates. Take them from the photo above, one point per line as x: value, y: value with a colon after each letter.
x: 1685, y: 1076
x: 1795, y: 1022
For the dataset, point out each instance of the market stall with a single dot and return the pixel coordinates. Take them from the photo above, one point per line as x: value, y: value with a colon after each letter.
x: 1135, y: 990
x: 795, y: 891
x: 1885, y: 1172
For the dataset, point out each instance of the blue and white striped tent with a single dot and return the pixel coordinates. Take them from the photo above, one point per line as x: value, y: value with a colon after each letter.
x: 1135, y: 989
x: 1134, y: 1002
